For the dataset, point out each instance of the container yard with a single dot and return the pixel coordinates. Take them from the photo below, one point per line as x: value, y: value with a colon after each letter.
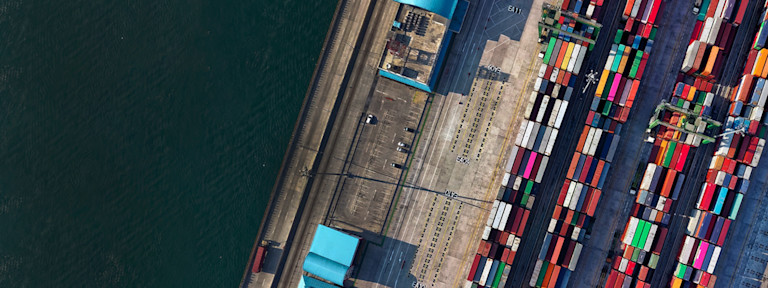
x: 580, y: 194
x: 527, y: 211
x: 536, y: 135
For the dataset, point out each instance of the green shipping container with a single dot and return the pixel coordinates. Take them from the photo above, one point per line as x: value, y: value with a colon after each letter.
x: 644, y: 235
x: 550, y: 47
x: 736, y: 206
x: 524, y: 199
x: 680, y: 271
x: 670, y: 153
x: 703, y: 14
x: 608, y: 83
x: 652, y: 36
x: 635, y: 65
x: 528, y: 187
x: 607, y: 108
x: 653, y: 261
x: 619, y: 34
x: 617, y: 59
x: 497, y: 278
x: 542, y: 273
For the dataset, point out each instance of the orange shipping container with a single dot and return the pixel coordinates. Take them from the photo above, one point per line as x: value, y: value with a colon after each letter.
x: 668, y: 182
x: 711, y: 61
x: 757, y: 70
x: 574, y: 163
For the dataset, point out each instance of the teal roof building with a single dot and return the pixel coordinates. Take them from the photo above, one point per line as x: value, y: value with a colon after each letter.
x: 418, y: 41
x: 330, y: 257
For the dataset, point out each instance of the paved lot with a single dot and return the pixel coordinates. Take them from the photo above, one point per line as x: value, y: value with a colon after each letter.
x: 365, y: 194
x: 431, y: 236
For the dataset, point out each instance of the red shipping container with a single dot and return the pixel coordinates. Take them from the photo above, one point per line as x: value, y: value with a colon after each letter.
x: 593, y: 203
x: 563, y: 193
x: 473, y: 268
x: 741, y: 11
x: 724, y: 232
x: 522, y: 223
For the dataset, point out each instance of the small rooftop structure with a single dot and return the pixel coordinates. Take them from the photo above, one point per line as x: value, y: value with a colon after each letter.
x: 419, y: 40
x: 330, y: 256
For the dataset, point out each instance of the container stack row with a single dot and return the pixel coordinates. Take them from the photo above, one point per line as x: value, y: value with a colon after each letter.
x: 737, y: 152
x: 591, y: 9
x: 524, y: 170
x: 712, y: 37
x: 659, y: 187
x: 577, y: 200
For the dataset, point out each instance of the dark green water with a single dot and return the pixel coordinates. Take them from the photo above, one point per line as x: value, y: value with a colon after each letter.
x: 139, y: 140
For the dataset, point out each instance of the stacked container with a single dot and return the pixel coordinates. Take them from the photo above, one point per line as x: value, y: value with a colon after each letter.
x: 712, y: 37
x: 599, y: 138
x: 657, y: 189
x: 728, y: 174
x: 527, y: 162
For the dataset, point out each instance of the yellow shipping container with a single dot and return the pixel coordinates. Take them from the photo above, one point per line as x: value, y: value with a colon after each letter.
x: 567, y: 57
x: 601, y: 84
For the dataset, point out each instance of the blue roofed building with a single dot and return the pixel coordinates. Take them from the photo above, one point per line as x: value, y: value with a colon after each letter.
x: 330, y: 258
x: 418, y: 41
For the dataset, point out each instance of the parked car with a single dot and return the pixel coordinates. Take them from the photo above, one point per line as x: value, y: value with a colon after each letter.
x: 370, y: 119
x: 401, y: 144
x: 408, y: 129
x: 398, y: 166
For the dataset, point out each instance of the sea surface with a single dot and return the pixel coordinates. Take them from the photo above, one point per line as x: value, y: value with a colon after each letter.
x: 139, y: 140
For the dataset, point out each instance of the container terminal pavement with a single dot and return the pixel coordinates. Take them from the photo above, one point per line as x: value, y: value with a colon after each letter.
x: 695, y: 129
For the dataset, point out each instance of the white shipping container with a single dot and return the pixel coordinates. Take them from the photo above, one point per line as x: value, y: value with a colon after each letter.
x: 590, y: 10
x: 561, y: 114
x: 505, y: 180
x: 510, y: 240
x: 720, y: 178
x: 705, y: 30
x: 518, y: 181
x: 515, y: 244
x: 536, y: 271
x: 623, y: 265
x: 650, y: 238
x: 719, y: 10
x: 542, y: 109
x: 693, y: 221
x: 528, y: 129
x: 521, y: 133
x: 537, y: 84
x: 553, y: 115
x: 542, y: 70
x: 534, y: 134
x: 551, y: 142
x: 575, y: 198
x: 486, y: 270
x: 712, y: 37
x: 595, y: 141
x: 552, y: 224
x: 588, y: 140
x: 555, y: 71
x: 529, y: 106
x: 648, y: 177
x: 574, y: 55
x: 685, y: 254
x: 690, y: 56
x: 495, y: 207
x: 505, y: 217
x: 575, y: 257
x: 713, y: 260
x: 631, y: 228
x: 635, y: 9
x: 763, y: 97
x: 758, y: 152
x: 611, y: 56
x: 499, y: 214
x: 709, y: 98
x: 575, y: 234
x: 511, y: 160
x: 542, y: 168
x: 544, y: 141
x: 569, y: 194
x: 486, y: 232
x: 756, y: 114
x: 660, y: 204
